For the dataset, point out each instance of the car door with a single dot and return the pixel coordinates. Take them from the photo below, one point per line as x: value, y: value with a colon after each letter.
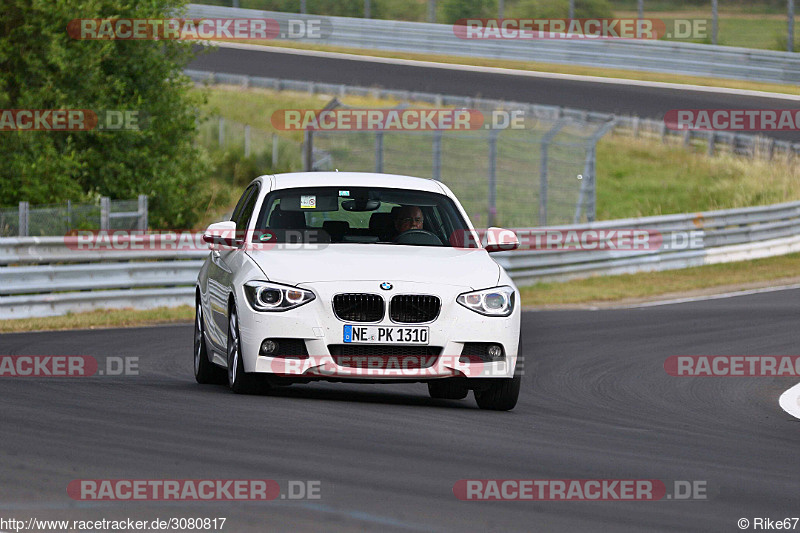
x: 221, y: 269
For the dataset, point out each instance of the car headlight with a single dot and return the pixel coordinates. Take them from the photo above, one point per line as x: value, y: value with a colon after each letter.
x: 498, y: 301
x: 266, y: 296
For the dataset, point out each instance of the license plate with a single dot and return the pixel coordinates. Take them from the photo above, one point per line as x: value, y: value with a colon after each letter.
x: 385, y: 334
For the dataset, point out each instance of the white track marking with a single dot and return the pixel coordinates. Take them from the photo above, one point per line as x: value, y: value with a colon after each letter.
x: 705, y: 297
x: 790, y: 401
x: 507, y: 71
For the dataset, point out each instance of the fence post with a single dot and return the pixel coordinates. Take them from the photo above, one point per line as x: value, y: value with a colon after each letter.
x: 492, y: 207
x: 221, y: 136
x: 543, y: 170
x: 69, y: 216
x: 105, y: 211
x: 247, y: 140
x: 308, y: 149
x: 142, y: 212
x: 437, y: 155
x: 274, y: 151
x: 711, y: 138
x: 790, y: 28
x: 23, y: 219
x: 591, y: 208
x: 714, y: 25
x: 378, y: 151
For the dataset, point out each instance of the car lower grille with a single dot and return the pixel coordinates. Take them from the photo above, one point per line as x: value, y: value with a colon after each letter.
x: 414, y: 308
x: 384, y: 356
x: 358, y: 307
x: 292, y: 348
x: 474, y: 352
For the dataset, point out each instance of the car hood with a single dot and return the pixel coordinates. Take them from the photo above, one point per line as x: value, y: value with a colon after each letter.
x: 472, y: 268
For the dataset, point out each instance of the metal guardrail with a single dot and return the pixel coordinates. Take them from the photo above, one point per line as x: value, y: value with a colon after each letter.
x: 47, y: 276
x: 738, y: 143
x: 650, y: 56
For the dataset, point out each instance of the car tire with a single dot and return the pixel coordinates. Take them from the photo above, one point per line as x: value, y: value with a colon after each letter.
x: 205, y: 372
x: 239, y: 381
x: 448, y: 389
x: 500, y: 395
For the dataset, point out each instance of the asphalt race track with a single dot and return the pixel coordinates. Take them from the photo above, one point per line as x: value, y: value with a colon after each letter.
x: 596, y: 404
x: 648, y: 102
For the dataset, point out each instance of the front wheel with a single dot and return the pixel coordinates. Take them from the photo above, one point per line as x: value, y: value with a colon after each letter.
x: 239, y: 381
x: 205, y: 371
x: 500, y: 395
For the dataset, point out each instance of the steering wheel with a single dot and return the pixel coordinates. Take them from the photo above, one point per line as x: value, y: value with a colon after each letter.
x: 418, y: 236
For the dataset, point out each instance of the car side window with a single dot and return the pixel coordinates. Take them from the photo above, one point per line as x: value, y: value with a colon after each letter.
x: 240, y: 204
x: 247, y: 209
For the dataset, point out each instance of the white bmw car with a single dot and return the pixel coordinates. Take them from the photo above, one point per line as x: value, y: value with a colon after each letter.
x: 357, y: 277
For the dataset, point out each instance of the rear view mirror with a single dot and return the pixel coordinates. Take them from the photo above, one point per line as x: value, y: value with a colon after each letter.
x: 361, y: 204
x: 221, y: 234
x: 501, y: 240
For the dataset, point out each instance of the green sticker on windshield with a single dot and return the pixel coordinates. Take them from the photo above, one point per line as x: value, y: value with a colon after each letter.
x: 265, y: 237
x: 344, y: 193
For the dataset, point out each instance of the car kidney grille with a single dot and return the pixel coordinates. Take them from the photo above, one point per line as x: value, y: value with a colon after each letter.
x: 414, y: 308
x: 358, y: 307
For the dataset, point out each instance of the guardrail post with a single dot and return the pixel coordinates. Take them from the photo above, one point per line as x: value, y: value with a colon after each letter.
x: 437, y: 155
x: 378, y: 151
x: 492, y: 207
x: 431, y: 10
x: 308, y: 151
x: 221, y: 135
x: 247, y: 140
x: 105, y: 212
x: 274, y: 150
x: 24, y: 208
x: 711, y: 138
x: 142, y: 222
x: 790, y: 28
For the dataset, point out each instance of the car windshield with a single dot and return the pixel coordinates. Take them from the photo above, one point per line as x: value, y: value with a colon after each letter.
x: 367, y: 215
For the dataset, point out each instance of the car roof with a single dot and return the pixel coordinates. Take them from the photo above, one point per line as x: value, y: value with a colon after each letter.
x: 355, y: 179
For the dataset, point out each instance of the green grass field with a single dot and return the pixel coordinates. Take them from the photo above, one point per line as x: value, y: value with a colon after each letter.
x: 636, y: 177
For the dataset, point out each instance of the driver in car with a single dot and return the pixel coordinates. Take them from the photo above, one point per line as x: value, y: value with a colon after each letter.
x: 408, y: 217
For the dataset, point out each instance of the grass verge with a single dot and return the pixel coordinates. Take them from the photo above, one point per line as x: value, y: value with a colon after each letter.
x: 105, y: 318
x: 723, y: 277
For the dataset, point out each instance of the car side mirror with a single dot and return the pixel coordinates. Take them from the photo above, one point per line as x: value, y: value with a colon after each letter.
x: 501, y: 240
x: 221, y: 234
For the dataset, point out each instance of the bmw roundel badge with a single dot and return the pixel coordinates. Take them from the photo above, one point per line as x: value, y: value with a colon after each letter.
x: 386, y: 286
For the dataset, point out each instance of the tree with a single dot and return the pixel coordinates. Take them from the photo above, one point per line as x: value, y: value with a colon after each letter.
x: 42, y: 67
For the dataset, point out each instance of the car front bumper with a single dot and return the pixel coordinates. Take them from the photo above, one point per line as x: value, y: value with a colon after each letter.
x: 319, y: 328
